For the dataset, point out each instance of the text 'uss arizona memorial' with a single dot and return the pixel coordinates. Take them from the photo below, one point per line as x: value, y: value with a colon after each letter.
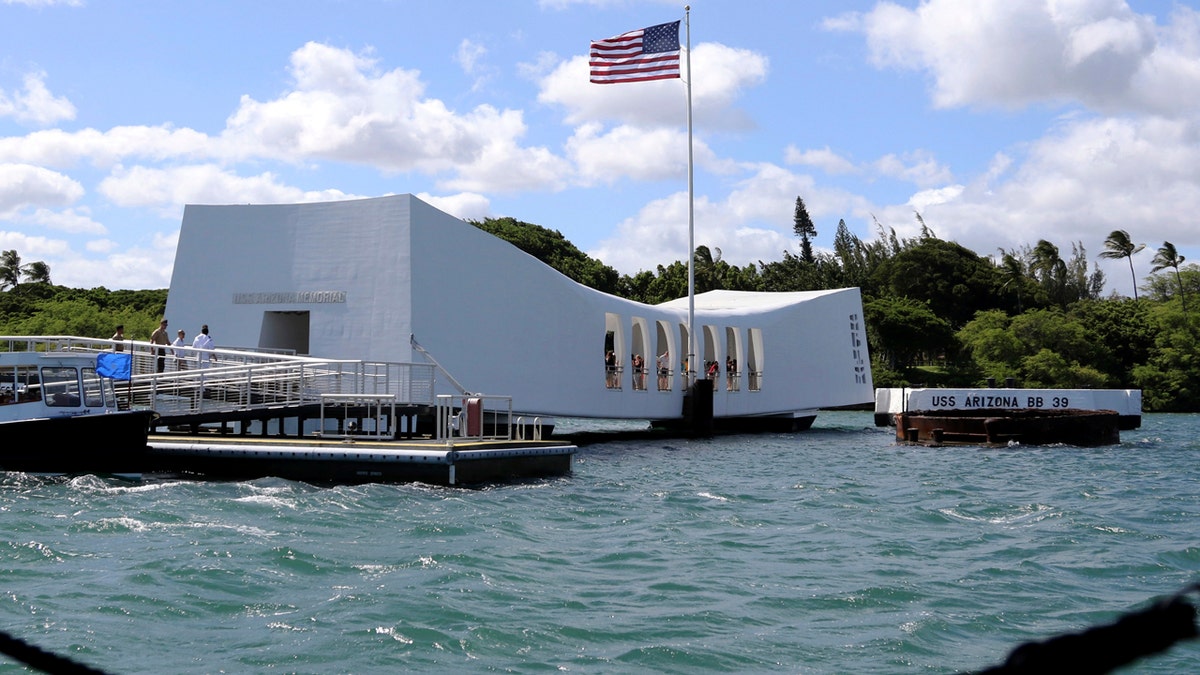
x: 289, y: 298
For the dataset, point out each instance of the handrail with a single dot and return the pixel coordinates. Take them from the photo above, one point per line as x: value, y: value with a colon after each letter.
x: 470, y: 417
x: 243, y: 379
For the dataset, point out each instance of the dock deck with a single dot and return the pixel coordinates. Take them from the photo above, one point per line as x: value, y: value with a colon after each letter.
x: 316, y: 460
x: 252, y: 414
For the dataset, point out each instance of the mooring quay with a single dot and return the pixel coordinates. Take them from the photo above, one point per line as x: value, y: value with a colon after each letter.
x: 254, y: 414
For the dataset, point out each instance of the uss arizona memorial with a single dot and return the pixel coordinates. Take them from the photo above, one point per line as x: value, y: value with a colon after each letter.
x: 355, y: 279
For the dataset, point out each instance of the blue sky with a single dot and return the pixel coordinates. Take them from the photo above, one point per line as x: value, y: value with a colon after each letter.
x: 1001, y: 122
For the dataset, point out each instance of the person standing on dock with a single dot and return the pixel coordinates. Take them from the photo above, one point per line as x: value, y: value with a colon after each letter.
x: 180, y: 354
x: 159, y: 337
x: 119, y: 337
x: 205, y: 343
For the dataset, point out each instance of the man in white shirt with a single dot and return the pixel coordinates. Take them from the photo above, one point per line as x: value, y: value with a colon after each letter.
x: 204, y: 342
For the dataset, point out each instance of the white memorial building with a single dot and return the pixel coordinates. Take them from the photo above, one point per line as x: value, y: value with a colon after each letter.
x: 355, y: 279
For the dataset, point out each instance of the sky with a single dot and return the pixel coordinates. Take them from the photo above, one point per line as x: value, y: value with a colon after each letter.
x: 999, y: 122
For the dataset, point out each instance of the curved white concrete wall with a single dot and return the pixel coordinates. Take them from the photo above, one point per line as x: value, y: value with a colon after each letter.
x: 371, y: 272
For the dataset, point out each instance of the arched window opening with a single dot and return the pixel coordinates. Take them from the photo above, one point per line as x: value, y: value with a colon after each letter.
x: 638, y: 359
x: 614, y: 344
x: 733, y: 350
x: 664, y: 352
x: 754, y: 359
x: 712, y: 365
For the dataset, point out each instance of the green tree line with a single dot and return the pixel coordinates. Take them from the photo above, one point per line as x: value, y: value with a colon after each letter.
x: 936, y: 312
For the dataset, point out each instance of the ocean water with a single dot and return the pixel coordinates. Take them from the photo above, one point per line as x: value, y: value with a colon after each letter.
x: 829, y: 551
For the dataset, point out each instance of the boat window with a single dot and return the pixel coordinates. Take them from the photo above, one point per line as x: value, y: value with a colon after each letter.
x: 93, y: 389
x: 22, y: 383
x: 60, y: 386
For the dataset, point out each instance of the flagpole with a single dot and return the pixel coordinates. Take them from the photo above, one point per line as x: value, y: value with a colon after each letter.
x: 691, y: 360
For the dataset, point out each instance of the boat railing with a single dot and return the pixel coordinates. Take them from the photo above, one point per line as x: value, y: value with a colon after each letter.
x: 474, y: 417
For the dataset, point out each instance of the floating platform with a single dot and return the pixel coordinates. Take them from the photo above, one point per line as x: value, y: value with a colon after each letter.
x: 1005, y: 427
x: 1127, y: 403
x: 344, y: 461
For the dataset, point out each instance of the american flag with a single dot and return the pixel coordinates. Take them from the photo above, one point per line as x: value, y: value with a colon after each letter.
x: 637, y: 56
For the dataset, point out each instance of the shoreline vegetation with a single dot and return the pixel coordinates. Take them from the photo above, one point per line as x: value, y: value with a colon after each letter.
x: 937, y: 313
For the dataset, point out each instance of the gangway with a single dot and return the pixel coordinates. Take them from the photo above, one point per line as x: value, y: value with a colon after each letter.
x: 241, y: 385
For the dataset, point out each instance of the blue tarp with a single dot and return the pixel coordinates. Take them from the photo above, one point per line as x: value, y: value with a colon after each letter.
x: 116, y: 365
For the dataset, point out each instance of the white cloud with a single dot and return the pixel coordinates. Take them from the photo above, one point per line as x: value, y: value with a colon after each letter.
x: 604, y: 157
x: 36, y: 103
x: 343, y: 109
x: 752, y: 223
x: 45, y: 3
x: 74, y: 221
x: 101, y: 245
x: 469, y: 54
x: 202, y: 184
x: 823, y: 158
x: 917, y: 167
x: 23, y: 185
x: 1078, y: 184
x: 58, y: 148
x: 464, y: 205
x: 1014, y: 52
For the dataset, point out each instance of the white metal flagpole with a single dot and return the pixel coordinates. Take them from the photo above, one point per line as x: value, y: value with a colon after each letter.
x: 691, y: 360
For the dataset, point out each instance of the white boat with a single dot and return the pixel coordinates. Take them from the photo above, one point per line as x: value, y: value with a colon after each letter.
x: 59, y: 415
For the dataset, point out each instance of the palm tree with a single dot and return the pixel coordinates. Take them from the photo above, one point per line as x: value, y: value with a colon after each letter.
x: 1013, y: 271
x: 37, y: 272
x: 1166, y: 257
x: 10, y: 269
x: 1118, y: 245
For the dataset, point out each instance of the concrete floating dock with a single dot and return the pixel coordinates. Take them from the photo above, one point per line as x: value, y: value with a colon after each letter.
x: 322, y: 461
x: 1127, y: 403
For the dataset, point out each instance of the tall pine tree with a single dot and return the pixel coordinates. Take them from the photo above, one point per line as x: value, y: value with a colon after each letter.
x: 804, y: 228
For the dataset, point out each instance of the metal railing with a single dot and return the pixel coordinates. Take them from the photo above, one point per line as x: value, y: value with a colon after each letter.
x: 474, y: 417
x: 236, y: 379
x: 380, y: 422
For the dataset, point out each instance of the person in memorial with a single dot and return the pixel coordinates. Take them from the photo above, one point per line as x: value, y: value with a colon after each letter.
x: 180, y: 345
x: 203, y: 342
x: 159, y: 337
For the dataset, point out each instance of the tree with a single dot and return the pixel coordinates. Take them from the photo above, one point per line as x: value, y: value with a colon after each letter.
x: 901, y: 329
x: 1013, y: 271
x: 36, y: 272
x: 804, y: 228
x: 552, y: 248
x: 954, y: 281
x: 1166, y: 257
x: 1118, y: 245
x: 1170, y: 377
x: 1050, y: 271
x: 10, y: 269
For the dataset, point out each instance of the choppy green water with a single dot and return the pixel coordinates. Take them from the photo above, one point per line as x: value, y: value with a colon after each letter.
x: 830, y: 551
